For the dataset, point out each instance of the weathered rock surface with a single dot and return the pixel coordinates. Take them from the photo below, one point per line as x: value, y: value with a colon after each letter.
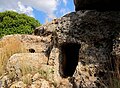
x: 17, y: 61
x: 36, y: 43
x: 92, y: 34
x: 101, y: 5
x: 19, y: 84
x: 28, y: 70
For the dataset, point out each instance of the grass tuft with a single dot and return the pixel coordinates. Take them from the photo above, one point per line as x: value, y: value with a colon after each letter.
x: 8, y: 47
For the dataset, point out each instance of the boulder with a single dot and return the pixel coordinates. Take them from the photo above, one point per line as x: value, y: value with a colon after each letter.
x: 23, y: 63
x: 41, y: 83
x: 101, y: 5
x: 19, y: 84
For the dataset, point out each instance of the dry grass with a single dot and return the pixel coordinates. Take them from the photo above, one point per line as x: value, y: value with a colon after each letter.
x: 8, y: 47
x: 27, y: 79
x: 26, y: 69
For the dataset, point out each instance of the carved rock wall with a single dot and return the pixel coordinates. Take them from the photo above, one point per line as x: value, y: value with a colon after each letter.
x: 86, y: 41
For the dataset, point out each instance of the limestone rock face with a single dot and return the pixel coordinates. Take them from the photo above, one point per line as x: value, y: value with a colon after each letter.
x: 19, y: 84
x: 30, y: 42
x: 29, y: 58
x: 97, y: 5
x: 85, y: 40
x: 18, y: 63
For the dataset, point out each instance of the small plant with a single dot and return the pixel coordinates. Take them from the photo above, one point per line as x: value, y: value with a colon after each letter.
x: 45, y: 73
x: 116, y: 83
x: 26, y: 69
x: 27, y: 79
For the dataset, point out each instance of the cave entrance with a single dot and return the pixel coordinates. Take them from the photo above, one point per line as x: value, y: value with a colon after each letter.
x: 69, y: 59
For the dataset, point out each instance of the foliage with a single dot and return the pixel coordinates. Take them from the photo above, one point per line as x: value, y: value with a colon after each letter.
x: 15, y: 23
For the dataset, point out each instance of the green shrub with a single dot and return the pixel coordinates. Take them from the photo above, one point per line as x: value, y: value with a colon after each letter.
x: 15, y: 23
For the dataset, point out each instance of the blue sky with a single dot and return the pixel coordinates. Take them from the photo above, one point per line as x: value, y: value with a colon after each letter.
x: 42, y: 10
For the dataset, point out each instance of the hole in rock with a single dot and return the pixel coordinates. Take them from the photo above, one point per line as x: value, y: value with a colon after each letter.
x: 69, y: 59
x: 31, y: 50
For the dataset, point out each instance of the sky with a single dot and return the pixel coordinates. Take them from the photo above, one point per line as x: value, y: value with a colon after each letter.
x: 42, y: 10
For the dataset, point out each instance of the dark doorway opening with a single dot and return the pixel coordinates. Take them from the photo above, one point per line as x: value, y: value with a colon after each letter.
x: 69, y: 59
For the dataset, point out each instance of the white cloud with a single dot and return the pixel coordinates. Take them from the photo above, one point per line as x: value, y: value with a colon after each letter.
x: 7, y: 5
x: 26, y: 6
x: 50, y: 7
x: 47, y: 6
x: 27, y: 10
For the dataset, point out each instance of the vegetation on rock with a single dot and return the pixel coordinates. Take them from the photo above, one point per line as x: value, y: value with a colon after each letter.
x: 8, y: 47
x: 15, y: 23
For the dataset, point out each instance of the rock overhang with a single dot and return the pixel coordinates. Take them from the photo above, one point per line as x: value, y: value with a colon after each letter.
x: 100, y: 5
x: 87, y: 26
